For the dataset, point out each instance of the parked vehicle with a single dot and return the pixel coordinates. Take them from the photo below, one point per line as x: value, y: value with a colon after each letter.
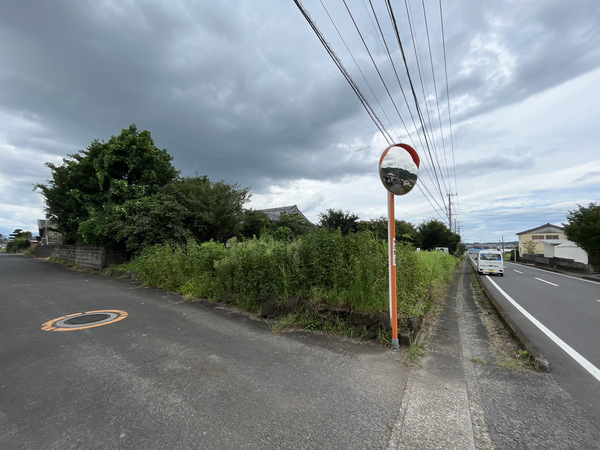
x: 490, y: 262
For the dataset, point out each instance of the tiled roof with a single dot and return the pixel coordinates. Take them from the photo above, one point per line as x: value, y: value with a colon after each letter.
x: 275, y: 213
x: 533, y: 230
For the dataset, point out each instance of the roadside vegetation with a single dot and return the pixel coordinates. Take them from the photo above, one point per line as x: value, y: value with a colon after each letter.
x: 18, y: 241
x: 505, y: 349
x: 343, y: 272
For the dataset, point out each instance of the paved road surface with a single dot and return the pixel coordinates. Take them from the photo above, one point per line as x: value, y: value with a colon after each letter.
x: 176, y: 375
x: 569, y: 308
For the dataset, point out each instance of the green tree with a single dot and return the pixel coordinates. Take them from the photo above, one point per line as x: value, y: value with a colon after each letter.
x: 378, y: 227
x: 296, y: 223
x: 253, y: 222
x: 530, y: 248
x: 347, y: 222
x: 18, y: 233
x: 138, y: 223
x: 434, y: 233
x: 584, y: 229
x: 18, y: 241
x: 214, y: 210
x: 105, y: 175
x: 405, y: 231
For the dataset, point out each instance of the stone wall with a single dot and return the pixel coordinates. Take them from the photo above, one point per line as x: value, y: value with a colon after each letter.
x: 90, y: 257
x: 559, y: 263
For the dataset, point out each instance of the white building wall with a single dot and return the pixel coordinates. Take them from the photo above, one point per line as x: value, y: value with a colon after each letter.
x: 549, y: 250
x: 571, y: 250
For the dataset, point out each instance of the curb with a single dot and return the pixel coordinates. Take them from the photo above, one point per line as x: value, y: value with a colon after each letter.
x: 592, y: 278
x: 514, y: 329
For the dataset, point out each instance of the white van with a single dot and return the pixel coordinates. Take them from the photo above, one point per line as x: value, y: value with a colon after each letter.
x: 490, y: 262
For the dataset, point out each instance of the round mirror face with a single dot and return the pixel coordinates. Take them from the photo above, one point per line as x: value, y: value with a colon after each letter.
x: 398, y: 170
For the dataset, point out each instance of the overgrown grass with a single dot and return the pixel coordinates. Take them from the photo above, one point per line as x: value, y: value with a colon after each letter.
x: 322, y: 266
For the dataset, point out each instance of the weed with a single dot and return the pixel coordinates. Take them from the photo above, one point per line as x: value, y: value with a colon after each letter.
x: 343, y: 271
x: 416, y: 351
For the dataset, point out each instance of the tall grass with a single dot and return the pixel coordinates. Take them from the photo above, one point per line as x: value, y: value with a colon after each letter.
x: 323, y: 266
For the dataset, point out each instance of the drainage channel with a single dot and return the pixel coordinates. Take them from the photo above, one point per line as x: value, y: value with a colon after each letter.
x: 83, y: 321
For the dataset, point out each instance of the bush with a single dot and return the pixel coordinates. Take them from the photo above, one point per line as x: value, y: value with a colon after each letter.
x: 344, y: 271
x: 252, y: 270
x: 17, y: 245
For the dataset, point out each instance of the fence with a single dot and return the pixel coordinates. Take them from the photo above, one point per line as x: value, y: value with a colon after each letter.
x: 559, y: 263
x: 97, y: 258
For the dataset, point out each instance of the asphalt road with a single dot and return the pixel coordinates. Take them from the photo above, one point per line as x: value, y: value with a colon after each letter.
x: 173, y: 374
x: 569, y: 309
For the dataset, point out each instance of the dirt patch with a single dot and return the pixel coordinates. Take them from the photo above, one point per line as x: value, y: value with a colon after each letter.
x: 505, y: 348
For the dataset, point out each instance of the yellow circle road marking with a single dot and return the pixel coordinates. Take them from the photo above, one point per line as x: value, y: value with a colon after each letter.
x: 51, y: 325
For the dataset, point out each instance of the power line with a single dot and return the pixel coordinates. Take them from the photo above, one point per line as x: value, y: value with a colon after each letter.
x: 342, y: 69
x: 425, y: 132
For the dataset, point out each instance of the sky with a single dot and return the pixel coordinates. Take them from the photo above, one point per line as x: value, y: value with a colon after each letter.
x: 246, y: 92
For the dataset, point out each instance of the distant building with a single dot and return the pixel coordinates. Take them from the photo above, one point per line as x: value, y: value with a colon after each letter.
x: 562, y: 248
x: 537, y: 235
x: 48, y: 234
x: 275, y: 214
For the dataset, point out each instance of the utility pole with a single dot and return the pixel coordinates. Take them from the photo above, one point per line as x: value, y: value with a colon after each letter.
x: 450, y: 210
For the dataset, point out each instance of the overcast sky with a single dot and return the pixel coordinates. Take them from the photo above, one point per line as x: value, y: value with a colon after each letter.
x: 244, y: 91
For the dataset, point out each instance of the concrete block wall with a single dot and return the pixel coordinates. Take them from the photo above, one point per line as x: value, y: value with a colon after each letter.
x: 90, y: 257
x: 559, y: 263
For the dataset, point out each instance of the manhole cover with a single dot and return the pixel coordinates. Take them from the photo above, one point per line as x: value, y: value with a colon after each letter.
x: 87, y: 318
x: 82, y: 321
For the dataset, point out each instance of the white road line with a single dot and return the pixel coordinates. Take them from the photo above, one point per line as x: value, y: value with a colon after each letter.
x: 558, y: 341
x: 544, y: 281
x: 558, y: 274
x: 518, y: 271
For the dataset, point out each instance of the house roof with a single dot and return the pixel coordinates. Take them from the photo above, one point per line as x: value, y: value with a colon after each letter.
x: 542, y: 227
x: 554, y: 241
x: 275, y: 213
x: 569, y: 244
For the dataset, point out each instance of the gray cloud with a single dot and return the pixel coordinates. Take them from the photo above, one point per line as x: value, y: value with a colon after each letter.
x: 243, y: 91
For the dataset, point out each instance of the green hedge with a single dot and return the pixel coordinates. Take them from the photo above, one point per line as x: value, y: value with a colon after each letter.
x: 344, y: 271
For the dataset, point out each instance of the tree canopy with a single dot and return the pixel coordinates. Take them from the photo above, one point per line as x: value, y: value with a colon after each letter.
x: 253, y: 223
x: 126, y: 194
x: 18, y: 240
x: 107, y: 174
x: 213, y: 210
x: 295, y: 223
x: 434, y: 233
x: 347, y: 222
x: 405, y: 231
x: 584, y: 229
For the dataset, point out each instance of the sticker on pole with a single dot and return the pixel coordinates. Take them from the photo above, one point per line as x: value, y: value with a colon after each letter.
x: 399, y: 168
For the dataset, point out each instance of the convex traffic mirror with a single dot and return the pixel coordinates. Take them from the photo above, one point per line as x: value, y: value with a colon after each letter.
x: 399, y: 168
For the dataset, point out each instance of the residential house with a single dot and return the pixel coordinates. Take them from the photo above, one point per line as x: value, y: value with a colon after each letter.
x: 537, y: 235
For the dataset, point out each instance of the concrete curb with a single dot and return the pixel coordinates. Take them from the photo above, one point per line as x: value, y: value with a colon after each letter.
x: 595, y: 278
x: 514, y: 329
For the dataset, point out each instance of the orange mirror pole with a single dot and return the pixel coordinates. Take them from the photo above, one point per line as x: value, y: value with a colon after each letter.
x: 392, y: 270
x: 398, y: 170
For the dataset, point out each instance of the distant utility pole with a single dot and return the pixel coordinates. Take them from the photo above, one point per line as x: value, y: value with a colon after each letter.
x: 450, y: 210
x: 450, y: 194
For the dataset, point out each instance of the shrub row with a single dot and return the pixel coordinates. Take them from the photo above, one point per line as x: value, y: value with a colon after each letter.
x: 324, y: 266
